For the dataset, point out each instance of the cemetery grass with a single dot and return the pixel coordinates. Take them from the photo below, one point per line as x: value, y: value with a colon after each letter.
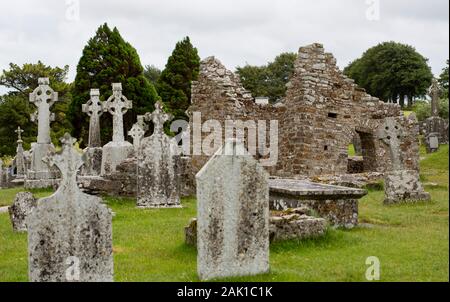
x: 410, y: 240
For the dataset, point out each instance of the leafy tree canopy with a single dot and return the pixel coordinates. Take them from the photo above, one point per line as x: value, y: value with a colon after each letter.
x: 152, y: 73
x: 15, y: 108
x: 269, y: 80
x: 174, y: 84
x: 392, y: 71
x: 443, y: 81
x: 108, y: 58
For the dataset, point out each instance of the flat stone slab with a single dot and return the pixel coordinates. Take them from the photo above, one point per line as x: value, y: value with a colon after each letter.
x: 338, y: 205
x: 309, y: 190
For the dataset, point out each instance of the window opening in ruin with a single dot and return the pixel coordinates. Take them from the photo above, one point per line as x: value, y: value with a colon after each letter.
x: 362, y: 156
x: 332, y: 115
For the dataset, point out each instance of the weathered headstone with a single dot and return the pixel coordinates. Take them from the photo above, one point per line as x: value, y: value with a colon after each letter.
x: 400, y: 185
x: 23, y: 205
x: 70, y: 233
x: 435, y: 93
x: 43, y: 97
x: 233, y: 215
x: 137, y: 133
x: 94, y: 109
x: 19, y: 160
x: 118, y: 150
x: 436, y: 128
x: 158, y: 182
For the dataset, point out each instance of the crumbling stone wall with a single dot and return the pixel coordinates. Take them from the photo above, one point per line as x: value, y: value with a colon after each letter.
x: 321, y: 114
x: 219, y: 95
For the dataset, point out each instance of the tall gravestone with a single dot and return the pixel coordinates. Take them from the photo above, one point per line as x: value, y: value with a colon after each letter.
x: 69, y: 233
x: 94, y: 109
x: 233, y: 215
x: 118, y: 150
x: 436, y: 128
x: 400, y: 185
x: 19, y: 159
x: 158, y: 183
x: 40, y: 175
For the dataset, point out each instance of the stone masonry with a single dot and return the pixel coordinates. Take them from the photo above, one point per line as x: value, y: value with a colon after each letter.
x: 321, y: 114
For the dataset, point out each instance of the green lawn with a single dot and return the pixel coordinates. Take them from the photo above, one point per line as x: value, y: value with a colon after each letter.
x: 411, y: 241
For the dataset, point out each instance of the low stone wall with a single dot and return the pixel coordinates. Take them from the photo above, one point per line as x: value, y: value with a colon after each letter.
x: 123, y: 182
x: 338, y: 205
x: 293, y: 224
x: 359, y: 180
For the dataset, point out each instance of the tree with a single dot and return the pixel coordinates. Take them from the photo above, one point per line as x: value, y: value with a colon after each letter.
x: 174, y: 84
x: 24, y: 79
x: 15, y: 108
x: 422, y: 109
x: 108, y: 58
x: 392, y: 71
x: 152, y: 73
x: 443, y: 81
x: 255, y: 79
x: 269, y: 80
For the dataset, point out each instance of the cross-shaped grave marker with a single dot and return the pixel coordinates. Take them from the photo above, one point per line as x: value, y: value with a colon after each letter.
x: 43, y: 97
x: 137, y: 133
x: 391, y: 133
x: 94, y: 108
x: 158, y: 117
x: 117, y: 105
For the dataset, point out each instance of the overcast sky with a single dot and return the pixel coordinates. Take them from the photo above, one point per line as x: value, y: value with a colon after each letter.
x: 235, y: 31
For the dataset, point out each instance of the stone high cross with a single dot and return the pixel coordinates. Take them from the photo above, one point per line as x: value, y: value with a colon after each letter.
x: 43, y: 97
x: 19, y: 132
x: 158, y: 117
x: 390, y: 132
x: 20, y: 159
x: 94, y: 108
x: 137, y: 133
x: 435, y: 92
x: 68, y: 162
x: 117, y: 105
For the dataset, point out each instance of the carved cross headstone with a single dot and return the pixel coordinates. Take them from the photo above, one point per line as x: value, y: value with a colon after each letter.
x: 390, y: 132
x: 232, y: 215
x: 435, y: 92
x: 117, y: 105
x: 19, y: 132
x: 20, y: 157
x: 94, y: 108
x: 158, y: 117
x: 158, y: 183
x: 137, y: 133
x: 43, y: 97
x: 70, y: 233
